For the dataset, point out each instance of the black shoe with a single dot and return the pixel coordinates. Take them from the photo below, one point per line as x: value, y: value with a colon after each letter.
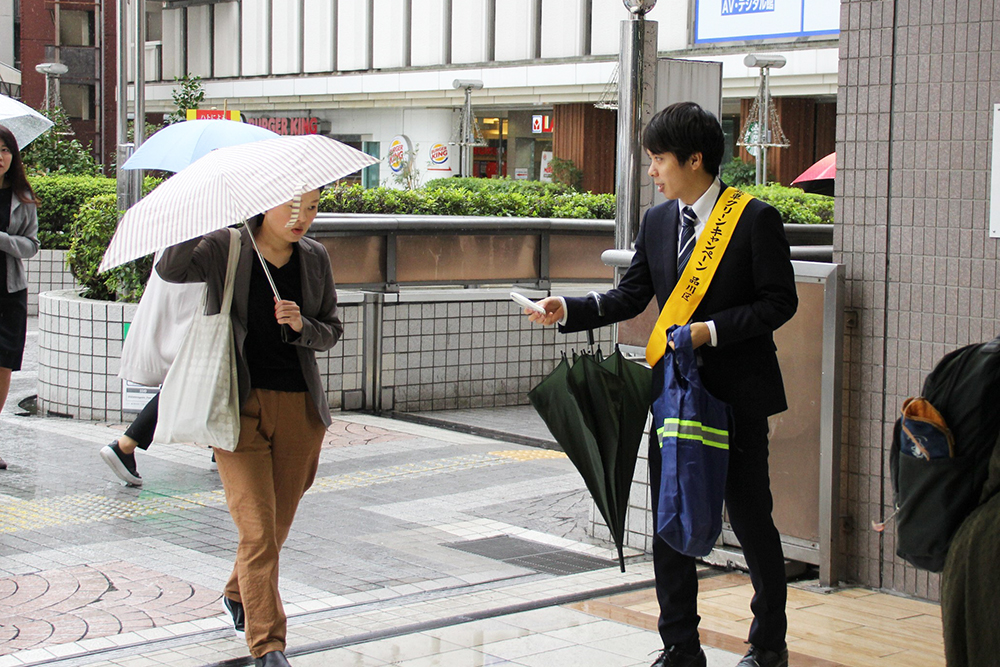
x: 681, y: 655
x: 3, y: 464
x: 761, y: 657
x: 272, y: 659
x: 235, y: 610
x: 121, y: 464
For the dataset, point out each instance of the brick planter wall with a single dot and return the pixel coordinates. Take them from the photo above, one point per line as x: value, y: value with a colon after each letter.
x: 46, y: 272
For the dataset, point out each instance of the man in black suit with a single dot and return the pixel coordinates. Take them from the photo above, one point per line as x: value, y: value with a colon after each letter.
x: 751, y: 295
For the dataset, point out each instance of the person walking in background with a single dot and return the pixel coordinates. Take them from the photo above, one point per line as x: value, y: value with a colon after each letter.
x: 160, y: 323
x: 284, y: 411
x: 751, y: 294
x: 18, y: 241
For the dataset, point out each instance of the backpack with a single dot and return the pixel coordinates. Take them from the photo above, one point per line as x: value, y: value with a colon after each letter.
x: 941, y: 449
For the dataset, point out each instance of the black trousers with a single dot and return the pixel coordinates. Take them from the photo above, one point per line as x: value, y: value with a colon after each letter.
x: 144, y: 426
x: 749, y: 503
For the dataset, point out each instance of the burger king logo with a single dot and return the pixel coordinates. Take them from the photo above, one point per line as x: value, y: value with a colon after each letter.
x: 397, y: 154
x: 439, y: 155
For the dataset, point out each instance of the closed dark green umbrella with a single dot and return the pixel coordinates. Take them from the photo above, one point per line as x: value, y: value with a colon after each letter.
x: 596, y: 410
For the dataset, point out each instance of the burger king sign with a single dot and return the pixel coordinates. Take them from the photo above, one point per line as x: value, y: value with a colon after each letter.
x: 439, y: 158
x: 400, y: 152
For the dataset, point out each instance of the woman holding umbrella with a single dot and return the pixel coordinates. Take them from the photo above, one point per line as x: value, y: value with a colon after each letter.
x: 284, y: 412
x: 18, y: 241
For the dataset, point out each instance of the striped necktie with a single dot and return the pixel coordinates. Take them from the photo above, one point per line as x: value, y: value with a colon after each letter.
x: 688, y: 222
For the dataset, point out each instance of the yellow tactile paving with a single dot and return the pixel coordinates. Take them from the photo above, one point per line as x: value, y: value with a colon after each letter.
x: 17, y: 514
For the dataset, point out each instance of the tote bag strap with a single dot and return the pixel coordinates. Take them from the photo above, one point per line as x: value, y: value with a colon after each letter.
x: 234, y: 260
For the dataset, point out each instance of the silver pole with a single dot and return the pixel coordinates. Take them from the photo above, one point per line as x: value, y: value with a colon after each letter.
x: 636, y: 73
x: 140, y: 73
x: 765, y: 124
x: 467, y: 135
x: 124, y: 148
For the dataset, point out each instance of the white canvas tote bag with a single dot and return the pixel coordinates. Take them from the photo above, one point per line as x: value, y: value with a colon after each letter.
x: 199, y: 401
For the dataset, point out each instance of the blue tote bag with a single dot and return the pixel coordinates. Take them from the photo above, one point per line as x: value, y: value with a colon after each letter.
x: 692, y: 430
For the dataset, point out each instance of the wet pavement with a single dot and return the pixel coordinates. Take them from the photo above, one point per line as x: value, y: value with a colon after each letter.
x: 417, y: 545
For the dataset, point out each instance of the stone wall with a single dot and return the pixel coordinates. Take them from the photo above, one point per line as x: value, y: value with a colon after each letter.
x: 918, y: 81
x: 438, y: 349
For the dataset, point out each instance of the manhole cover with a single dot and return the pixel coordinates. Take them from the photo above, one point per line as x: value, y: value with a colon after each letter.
x: 532, y: 555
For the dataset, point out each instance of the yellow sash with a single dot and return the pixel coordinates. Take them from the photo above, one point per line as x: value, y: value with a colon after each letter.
x: 694, y: 282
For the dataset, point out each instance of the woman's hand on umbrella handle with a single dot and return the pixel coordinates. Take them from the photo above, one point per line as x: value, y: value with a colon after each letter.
x: 553, y: 311
x: 287, y: 312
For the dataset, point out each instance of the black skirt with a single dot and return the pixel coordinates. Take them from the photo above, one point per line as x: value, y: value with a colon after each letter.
x: 13, y: 328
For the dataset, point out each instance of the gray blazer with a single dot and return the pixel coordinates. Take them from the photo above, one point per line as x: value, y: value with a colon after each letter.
x: 20, y: 241
x: 204, y: 259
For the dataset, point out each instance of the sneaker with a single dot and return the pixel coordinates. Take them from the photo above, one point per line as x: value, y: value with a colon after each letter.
x: 235, y: 610
x: 121, y: 464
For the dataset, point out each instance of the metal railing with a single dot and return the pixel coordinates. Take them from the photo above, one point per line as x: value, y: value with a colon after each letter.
x: 385, y: 252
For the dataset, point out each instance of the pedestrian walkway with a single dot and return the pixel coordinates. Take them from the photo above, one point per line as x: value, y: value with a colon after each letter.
x: 417, y: 546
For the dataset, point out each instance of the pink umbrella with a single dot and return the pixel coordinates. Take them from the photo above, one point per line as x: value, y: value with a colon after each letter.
x: 819, y: 177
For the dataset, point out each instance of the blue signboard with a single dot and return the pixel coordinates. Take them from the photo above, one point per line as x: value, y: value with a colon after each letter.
x: 743, y: 20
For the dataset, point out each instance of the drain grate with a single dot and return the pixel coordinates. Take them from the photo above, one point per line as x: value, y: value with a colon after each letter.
x: 532, y: 555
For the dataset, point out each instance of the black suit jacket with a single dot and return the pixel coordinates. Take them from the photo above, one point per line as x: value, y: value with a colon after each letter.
x: 751, y: 295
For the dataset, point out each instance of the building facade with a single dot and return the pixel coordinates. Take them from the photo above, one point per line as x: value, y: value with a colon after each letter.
x: 81, y: 35
x: 916, y: 137
x: 375, y: 72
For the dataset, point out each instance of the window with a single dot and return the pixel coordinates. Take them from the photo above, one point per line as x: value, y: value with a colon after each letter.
x: 76, y: 28
x: 77, y: 100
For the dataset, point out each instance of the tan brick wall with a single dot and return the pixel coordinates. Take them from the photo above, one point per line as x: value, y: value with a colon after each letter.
x: 918, y: 80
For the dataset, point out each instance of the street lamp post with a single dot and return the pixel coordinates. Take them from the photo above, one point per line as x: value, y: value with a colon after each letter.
x: 468, y: 135
x: 636, y: 67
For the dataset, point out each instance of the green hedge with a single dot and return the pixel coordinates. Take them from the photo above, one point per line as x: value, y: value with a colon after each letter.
x: 461, y: 201
x: 61, y: 198
x: 493, y: 185
x: 795, y: 206
x: 91, y: 231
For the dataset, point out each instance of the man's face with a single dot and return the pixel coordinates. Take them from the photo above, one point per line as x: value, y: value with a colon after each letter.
x: 673, y: 179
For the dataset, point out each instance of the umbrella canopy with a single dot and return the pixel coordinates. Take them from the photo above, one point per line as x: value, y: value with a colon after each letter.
x: 819, y: 178
x: 25, y: 123
x: 596, y: 409
x: 176, y: 146
x: 229, y: 186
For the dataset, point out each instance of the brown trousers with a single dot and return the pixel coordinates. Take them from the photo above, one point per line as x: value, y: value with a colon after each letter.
x: 275, y: 462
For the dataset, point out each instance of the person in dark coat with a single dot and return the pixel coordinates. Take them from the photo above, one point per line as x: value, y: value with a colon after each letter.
x: 284, y: 412
x: 751, y: 295
x: 970, y: 606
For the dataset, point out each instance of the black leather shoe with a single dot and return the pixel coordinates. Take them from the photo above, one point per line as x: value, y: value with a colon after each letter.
x: 681, y: 655
x: 761, y: 657
x: 235, y: 610
x: 272, y: 659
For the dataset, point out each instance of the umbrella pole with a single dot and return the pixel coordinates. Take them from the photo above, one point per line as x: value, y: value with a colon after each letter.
x: 267, y: 273
x: 286, y: 330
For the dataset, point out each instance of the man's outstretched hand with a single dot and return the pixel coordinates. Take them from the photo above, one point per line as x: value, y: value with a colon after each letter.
x: 553, y: 311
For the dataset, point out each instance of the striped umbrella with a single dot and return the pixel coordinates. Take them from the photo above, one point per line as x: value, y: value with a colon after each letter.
x: 229, y: 186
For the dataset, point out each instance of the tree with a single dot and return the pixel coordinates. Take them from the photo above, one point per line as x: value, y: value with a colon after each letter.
x: 56, y: 152
x: 188, y: 95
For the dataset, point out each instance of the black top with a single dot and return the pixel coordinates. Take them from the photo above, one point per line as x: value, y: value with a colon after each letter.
x: 5, y: 202
x: 274, y: 364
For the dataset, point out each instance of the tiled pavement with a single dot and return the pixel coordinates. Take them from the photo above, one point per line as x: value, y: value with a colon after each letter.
x: 385, y: 564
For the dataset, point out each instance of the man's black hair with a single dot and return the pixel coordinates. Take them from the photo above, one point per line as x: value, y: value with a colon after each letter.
x: 684, y: 129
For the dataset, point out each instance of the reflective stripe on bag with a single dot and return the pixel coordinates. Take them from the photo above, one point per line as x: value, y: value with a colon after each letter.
x: 685, y: 429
